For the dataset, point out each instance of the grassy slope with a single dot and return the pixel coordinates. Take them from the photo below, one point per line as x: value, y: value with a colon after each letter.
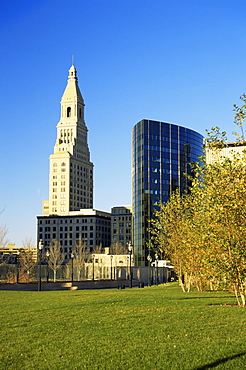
x: 150, y: 328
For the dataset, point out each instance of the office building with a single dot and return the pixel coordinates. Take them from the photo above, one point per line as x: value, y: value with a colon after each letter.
x: 121, y: 225
x: 91, y: 226
x: 161, y: 157
x: 71, y: 171
x: 68, y: 215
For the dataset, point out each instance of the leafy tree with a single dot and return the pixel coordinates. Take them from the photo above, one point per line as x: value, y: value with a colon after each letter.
x: 240, y: 118
x: 203, y: 232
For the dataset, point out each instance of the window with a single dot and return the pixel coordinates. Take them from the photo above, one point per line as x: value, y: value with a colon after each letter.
x: 68, y: 111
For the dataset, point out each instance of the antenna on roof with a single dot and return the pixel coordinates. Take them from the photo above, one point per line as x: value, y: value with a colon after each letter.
x: 72, y: 60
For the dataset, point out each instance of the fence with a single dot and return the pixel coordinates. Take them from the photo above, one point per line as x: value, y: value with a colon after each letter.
x: 13, y: 273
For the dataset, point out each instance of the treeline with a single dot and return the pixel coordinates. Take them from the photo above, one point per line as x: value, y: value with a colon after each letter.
x: 203, y: 232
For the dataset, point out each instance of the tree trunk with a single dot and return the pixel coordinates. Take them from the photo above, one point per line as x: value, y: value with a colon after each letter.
x: 54, y: 276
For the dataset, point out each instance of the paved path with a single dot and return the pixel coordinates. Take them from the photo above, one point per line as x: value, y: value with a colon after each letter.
x: 68, y: 286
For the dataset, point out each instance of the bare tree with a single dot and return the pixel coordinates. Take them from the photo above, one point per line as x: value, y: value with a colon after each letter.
x: 56, y: 257
x: 3, y: 241
x: 118, y: 248
x: 3, y: 232
x: 81, y: 255
x: 27, y: 258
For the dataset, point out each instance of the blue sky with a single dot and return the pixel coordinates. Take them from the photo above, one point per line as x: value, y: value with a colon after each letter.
x: 179, y: 61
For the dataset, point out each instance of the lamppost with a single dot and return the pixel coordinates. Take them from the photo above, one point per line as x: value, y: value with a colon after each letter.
x: 47, y: 272
x: 156, y: 265
x: 17, y: 264
x: 130, y: 253
x: 72, y: 257
x: 93, y: 266
x: 149, y: 258
x: 40, y: 247
x: 111, y: 268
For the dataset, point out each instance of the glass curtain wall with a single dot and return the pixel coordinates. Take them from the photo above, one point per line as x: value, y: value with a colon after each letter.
x: 161, y: 156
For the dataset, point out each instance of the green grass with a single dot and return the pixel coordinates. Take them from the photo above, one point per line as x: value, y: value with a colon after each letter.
x: 150, y: 328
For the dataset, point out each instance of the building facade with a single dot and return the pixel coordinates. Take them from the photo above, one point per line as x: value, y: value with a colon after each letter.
x: 91, y: 226
x: 68, y: 215
x: 71, y: 171
x: 231, y: 150
x: 121, y: 225
x: 161, y: 157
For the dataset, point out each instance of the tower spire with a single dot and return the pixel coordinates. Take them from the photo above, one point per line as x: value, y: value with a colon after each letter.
x: 70, y: 164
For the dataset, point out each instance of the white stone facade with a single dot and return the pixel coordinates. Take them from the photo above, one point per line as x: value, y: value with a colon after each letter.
x: 229, y: 151
x: 71, y: 172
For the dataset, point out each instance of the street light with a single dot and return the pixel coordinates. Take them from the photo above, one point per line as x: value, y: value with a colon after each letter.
x: 111, y: 268
x: 47, y: 258
x: 149, y: 258
x: 17, y: 263
x: 156, y: 265
x: 130, y: 253
x: 72, y: 257
x: 40, y: 247
x: 93, y: 267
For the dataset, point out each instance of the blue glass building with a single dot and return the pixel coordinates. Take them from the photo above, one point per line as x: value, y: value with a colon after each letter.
x: 161, y: 156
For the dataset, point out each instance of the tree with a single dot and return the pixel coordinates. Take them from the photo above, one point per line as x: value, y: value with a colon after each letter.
x: 3, y: 241
x: 98, y: 249
x: 203, y: 232
x: 81, y: 255
x: 56, y: 257
x: 118, y: 248
x: 27, y: 258
x: 3, y: 233
x: 240, y: 118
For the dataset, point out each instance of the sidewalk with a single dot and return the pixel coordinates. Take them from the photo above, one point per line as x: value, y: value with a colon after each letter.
x: 100, y: 284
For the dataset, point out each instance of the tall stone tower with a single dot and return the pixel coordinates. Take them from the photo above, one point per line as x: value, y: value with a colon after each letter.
x: 71, y: 172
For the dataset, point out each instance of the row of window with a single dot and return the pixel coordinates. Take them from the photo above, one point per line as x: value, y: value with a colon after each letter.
x: 121, y: 231
x: 123, y: 218
x: 77, y: 220
x: 122, y: 238
x: 122, y: 224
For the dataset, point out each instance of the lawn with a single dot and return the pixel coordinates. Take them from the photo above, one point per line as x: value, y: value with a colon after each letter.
x: 150, y: 328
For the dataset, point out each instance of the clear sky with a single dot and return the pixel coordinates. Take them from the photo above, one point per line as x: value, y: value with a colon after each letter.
x: 179, y: 61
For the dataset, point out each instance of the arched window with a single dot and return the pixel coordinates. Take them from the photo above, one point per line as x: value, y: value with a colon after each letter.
x: 68, y: 111
x: 63, y: 165
x: 54, y: 164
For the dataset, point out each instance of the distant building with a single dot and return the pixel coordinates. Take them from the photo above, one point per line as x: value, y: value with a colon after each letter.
x: 229, y: 151
x: 121, y: 225
x: 11, y: 252
x: 161, y: 157
x: 91, y: 226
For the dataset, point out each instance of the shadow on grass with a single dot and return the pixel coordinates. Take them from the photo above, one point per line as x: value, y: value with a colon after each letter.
x: 219, y: 362
x: 204, y: 297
